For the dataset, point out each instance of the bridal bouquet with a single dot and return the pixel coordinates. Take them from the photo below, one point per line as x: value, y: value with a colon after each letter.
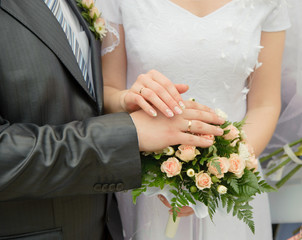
x: 225, y: 173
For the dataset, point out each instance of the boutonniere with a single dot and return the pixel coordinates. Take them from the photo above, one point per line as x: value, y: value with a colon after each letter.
x: 93, y: 16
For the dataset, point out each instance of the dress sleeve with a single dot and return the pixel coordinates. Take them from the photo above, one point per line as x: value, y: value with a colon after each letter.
x: 278, y: 19
x: 111, y: 12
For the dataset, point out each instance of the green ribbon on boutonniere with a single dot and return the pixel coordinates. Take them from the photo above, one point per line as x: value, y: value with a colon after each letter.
x: 93, y: 16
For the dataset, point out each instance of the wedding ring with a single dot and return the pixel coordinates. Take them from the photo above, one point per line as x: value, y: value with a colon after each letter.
x: 140, y: 91
x: 189, y: 126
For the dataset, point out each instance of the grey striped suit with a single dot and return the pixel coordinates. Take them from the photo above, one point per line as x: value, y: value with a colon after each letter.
x: 59, y: 158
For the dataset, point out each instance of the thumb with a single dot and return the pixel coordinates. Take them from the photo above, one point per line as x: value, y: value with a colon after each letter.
x: 182, y: 88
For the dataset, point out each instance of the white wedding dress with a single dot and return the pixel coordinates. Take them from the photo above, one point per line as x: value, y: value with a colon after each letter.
x: 214, y: 55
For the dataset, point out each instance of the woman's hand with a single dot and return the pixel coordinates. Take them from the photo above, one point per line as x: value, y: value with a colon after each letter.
x: 153, y: 91
x: 184, y: 211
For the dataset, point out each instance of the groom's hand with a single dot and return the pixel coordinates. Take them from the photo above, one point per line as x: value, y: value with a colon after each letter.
x: 160, y: 132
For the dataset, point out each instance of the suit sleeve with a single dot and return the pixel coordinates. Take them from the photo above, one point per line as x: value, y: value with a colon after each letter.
x: 97, y: 155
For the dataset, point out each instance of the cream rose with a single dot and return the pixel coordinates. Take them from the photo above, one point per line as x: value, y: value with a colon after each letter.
x: 233, y: 133
x: 224, y: 167
x: 186, y: 152
x: 237, y: 165
x: 171, y: 167
x: 87, y: 3
x: 252, y: 162
x: 94, y: 12
x: 203, y: 180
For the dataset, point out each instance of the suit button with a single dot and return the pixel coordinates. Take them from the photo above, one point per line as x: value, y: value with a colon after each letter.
x: 112, y: 187
x: 97, y: 187
x: 105, y: 188
x: 119, y: 187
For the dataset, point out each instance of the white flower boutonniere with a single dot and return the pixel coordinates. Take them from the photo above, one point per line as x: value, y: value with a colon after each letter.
x: 93, y: 16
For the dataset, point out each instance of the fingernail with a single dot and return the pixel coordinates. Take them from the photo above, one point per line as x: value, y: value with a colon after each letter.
x: 220, y: 131
x: 160, y: 197
x: 182, y: 105
x: 169, y: 112
x: 154, y: 114
x: 209, y: 141
x: 221, y: 119
x: 178, y: 110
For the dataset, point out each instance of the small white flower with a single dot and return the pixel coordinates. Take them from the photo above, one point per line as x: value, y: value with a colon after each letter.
x: 221, y: 113
x: 100, y: 28
x: 222, y: 189
x: 191, y: 172
x: 243, y: 135
x: 244, y: 151
x: 169, y: 151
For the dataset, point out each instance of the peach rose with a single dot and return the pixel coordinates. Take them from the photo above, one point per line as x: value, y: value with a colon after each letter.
x: 252, y: 162
x: 94, y: 12
x: 171, y: 167
x: 237, y: 165
x: 186, y: 152
x: 203, y: 180
x: 233, y: 133
x: 87, y: 3
x: 224, y: 167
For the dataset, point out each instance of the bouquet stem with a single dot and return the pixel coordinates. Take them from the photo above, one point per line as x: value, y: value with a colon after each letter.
x: 278, y: 167
x: 172, y: 226
x: 288, y: 176
x: 263, y: 159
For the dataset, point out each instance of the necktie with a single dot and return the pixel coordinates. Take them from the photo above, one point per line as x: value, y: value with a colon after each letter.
x: 54, y: 6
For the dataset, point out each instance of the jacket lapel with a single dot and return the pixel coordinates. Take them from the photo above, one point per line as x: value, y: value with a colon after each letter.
x: 95, y: 46
x: 37, y: 17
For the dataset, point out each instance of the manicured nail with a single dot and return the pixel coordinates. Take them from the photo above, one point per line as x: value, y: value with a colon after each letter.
x: 182, y: 105
x: 169, y: 112
x: 221, y: 119
x: 220, y: 131
x: 178, y: 110
x: 154, y: 114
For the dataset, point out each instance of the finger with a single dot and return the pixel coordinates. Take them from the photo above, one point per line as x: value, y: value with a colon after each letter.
x: 184, y: 211
x: 164, y: 200
x: 204, y: 116
x: 198, y: 106
x: 133, y: 101
x: 190, y: 139
x: 182, y: 88
x: 199, y: 127
x: 172, y: 91
x: 155, y: 99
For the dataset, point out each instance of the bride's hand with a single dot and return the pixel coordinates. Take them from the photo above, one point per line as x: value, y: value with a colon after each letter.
x: 153, y: 91
x: 184, y: 211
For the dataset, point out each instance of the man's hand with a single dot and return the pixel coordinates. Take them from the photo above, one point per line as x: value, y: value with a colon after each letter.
x: 160, y: 132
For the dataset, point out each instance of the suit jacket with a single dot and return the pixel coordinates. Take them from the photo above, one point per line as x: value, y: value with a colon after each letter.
x: 58, y: 155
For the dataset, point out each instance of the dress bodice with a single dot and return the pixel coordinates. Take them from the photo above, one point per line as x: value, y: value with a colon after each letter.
x: 214, y: 54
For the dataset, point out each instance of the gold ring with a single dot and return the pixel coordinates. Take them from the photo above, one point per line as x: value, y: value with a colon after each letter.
x: 189, y: 126
x: 140, y: 91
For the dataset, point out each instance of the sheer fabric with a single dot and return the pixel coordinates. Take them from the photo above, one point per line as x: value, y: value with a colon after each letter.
x: 214, y: 55
x: 289, y: 127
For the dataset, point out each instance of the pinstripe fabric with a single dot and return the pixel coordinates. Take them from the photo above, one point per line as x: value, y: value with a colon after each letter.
x: 54, y: 6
